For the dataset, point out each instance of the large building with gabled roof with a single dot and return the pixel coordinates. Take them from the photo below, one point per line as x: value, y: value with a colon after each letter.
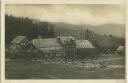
x: 47, y: 47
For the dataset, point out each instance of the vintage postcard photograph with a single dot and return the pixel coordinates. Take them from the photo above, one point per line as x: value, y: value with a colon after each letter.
x: 64, y: 41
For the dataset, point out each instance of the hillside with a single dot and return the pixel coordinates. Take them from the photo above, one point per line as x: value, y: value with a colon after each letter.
x: 108, y: 35
x: 113, y: 29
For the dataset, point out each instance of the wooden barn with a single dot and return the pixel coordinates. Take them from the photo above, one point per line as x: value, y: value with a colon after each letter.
x: 19, y: 46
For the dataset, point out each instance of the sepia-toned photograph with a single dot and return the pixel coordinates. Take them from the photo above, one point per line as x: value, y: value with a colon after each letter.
x: 64, y: 41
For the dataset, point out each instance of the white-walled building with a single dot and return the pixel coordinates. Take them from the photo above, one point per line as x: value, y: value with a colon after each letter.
x: 83, y: 44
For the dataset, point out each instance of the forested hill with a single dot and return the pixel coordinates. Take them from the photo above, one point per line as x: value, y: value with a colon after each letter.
x: 117, y: 30
x: 107, y: 35
x: 31, y: 28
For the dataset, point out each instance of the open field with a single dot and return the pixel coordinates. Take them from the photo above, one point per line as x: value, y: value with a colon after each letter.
x: 16, y: 69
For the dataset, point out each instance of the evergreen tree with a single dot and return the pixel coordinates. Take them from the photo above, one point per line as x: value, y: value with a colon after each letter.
x: 27, y: 27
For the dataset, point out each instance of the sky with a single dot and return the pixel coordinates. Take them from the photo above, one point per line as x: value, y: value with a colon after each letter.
x: 92, y: 14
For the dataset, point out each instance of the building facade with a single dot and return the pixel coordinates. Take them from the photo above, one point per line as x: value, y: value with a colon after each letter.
x: 47, y: 48
x: 19, y: 46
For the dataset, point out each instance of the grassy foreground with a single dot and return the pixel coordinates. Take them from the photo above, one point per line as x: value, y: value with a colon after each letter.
x: 16, y: 69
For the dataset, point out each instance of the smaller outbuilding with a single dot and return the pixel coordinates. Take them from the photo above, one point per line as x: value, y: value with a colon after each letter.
x: 19, y: 42
x: 121, y: 49
x: 18, y: 48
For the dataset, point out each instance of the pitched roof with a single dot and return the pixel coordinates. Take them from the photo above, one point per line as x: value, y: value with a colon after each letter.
x: 66, y: 38
x: 120, y: 48
x: 45, y: 42
x: 83, y: 44
x: 18, y: 39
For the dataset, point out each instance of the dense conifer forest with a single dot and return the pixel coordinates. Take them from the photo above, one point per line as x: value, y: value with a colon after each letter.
x: 27, y: 27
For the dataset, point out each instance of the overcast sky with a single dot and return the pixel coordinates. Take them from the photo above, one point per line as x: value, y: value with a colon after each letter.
x: 75, y: 14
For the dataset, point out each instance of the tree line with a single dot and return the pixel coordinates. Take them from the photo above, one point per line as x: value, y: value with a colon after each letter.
x: 30, y: 28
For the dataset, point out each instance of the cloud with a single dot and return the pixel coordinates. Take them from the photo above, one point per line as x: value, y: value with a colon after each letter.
x: 75, y: 14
